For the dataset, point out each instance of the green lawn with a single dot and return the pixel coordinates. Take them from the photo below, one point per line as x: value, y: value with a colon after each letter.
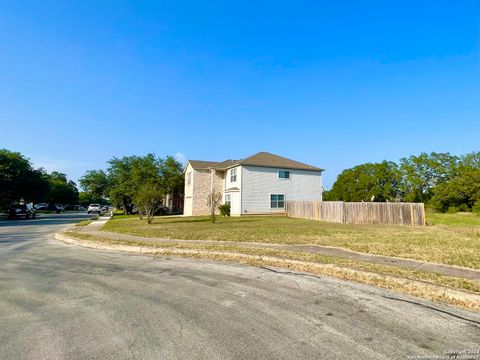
x: 454, y: 245
x: 458, y: 219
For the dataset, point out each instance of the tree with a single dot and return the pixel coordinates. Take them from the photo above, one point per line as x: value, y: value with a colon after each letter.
x: 420, y: 174
x: 148, y: 198
x: 120, y: 180
x: 86, y: 198
x: 127, y: 175
x: 95, y: 182
x: 60, y: 189
x: 172, y: 180
x: 460, y: 193
x: 18, y: 180
x: 471, y: 160
x: 214, y: 199
x: 171, y: 172
x: 367, y: 182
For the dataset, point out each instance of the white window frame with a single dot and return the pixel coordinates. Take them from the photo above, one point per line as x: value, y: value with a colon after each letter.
x: 283, y: 178
x: 228, y: 199
x: 189, y: 178
x: 233, y: 175
x: 277, y: 207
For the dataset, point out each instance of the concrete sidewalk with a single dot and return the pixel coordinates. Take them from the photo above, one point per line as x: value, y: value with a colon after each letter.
x: 94, y: 229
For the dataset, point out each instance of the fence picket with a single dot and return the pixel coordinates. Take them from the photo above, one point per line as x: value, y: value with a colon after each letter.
x: 358, y: 212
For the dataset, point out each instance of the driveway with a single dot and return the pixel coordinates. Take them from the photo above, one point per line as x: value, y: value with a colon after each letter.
x: 63, y: 302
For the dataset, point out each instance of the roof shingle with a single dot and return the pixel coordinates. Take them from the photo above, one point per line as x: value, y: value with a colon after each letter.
x: 264, y: 159
x: 202, y: 165
x: 271, y: 160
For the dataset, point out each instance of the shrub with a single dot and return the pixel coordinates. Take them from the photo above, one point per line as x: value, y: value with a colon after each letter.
x: 476, y: 207
x: 148, y: 198
x: 459, y: 208
x: 224, y: 209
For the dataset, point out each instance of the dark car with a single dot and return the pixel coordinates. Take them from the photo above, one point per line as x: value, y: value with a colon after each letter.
x: 162, y: 210
x: 53, y: 207
x: 25, y: 210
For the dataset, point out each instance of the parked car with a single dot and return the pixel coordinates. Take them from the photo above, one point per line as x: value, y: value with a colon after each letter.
x: 105, y: 208
x: 76, y: 208
x: 26, y: 210
x: 94, y: 209
x: 162, y: 210
x: 54, y: 207
x: 175, y: 211
x: 40, y: 206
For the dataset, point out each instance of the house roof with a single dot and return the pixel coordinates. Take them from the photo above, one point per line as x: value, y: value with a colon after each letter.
x: 271, y: 160
x: 202, y: 165
x: 264, y: 159
x: 224, y: 165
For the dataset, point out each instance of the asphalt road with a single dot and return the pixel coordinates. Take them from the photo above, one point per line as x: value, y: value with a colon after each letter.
x: 63, y: 302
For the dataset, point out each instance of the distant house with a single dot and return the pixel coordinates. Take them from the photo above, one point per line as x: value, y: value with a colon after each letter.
x: 259, y: 184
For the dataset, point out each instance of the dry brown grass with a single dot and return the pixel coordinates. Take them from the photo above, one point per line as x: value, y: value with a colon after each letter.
x: 434, y: 289
x: 338, y: 263
x: 453, y: 245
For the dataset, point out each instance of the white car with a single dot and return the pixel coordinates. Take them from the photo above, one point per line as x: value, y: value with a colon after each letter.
x: 41, y: 206
x: 94, y: 209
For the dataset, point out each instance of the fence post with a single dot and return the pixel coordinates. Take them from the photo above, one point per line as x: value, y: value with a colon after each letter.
x: 411, y: 214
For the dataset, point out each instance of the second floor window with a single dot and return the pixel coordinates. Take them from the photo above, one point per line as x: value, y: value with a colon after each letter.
x: 283, y: 174
x: 189, y: 178
x: 233, y: 175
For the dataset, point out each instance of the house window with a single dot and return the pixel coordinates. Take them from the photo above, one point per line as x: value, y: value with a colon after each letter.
x: 233, y: 175
x: 189, y: 178
x: 283, y: 174
x: 277, y: 201
x: 228, y: 199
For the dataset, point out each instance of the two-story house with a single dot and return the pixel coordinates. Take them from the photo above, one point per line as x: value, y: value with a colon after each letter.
x: 259, y: 184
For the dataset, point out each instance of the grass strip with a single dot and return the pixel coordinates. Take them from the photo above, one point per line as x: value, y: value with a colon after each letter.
x: 451, y: 245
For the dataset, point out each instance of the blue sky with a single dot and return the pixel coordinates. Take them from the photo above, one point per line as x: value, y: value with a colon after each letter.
x: 331, y: 83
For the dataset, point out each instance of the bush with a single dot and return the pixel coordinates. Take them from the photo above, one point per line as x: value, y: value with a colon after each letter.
x: 224, y: 209
x: 476, y: 207
x: 459, y: 208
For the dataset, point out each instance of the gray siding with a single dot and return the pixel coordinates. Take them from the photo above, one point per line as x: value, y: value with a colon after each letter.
x: 259, y: 182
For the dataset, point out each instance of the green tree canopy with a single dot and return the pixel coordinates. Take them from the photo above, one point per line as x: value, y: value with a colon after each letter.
x: 148, y: 198
x: 95, y: 182
x: 18, y: 180
x: 60, y: 189
x: 460, y: 193
x: 171, y: 172
x: 125, y: 176
x: 367, y: 182
x: 86, y: 198
x: 443, y: 181
x: 420, y: 174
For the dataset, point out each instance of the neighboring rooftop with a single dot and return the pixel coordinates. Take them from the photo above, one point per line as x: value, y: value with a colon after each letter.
x: 202, y: 165
x: 224, y: 165
x: 271, y: 160
x: 265, y: 159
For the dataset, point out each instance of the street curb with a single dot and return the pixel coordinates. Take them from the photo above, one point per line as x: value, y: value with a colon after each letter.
x: 345, y: 253
x: 321, y: 269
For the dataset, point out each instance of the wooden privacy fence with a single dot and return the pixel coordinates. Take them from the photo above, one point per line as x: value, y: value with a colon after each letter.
x: 358, y: 212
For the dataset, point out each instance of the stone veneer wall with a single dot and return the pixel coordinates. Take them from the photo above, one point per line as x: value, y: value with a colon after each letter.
x: 201, y: 189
